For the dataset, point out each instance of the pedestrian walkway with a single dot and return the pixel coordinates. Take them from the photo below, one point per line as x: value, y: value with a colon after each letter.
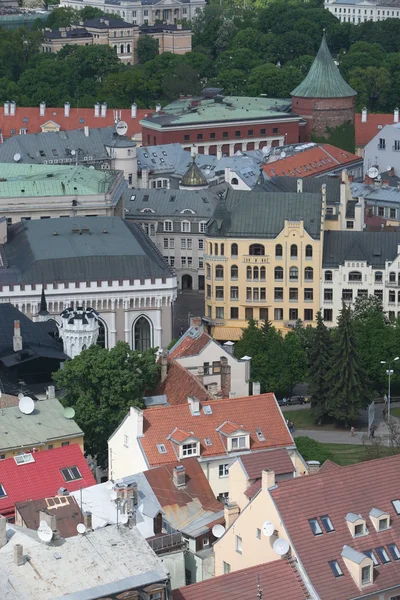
x: 331, y: 437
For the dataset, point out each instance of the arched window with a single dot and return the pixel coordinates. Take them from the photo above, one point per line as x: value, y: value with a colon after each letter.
x: 378, y: 277
x: 293, y: 251
x: 328, y: 276
x: 278, y: 273
x: 355, y: 276
x: 142, y: 334
x: 255, y: 273
x: 208, y: 271
x: 216, y: 249
x: 122, y: 48
x: 293, y: 274
x: 102, y: 339
x: 256, y: 250
x: 248, y: 273
x: 234, y: 250
x: 262, y: 274
x: 308, y: 274
x: 234, y: 181
x: 219, y: 272
x: 308, y: 251
x: 278, y: 251
x: 234, y: 272
x: 128, y: 48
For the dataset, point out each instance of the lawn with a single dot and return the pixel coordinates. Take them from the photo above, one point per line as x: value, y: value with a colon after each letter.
x: 345, y: 454
x: 395, y: 412
x: 302, y: 419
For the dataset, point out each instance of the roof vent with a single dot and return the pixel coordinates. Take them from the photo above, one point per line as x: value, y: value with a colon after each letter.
x: 105, y: 230
x: 194, y: 406
x: 63, y: 491
x: 75, y: 230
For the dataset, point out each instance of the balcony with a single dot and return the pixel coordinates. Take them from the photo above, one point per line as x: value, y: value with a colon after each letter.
x: 165, y: 542
x: 392, y: 284
x: 214, y: 258
x: 255, y: 260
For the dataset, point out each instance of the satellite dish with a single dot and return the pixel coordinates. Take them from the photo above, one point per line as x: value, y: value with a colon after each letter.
x: 113, y: 495
x: 281, y: 547
x: 265, y: 150
x: 20, y: 395
x: 218, y: 531
x: 69, y: 412
x: 73, y: 152
x: 44, y: 532
x: 268, y: 528
x: 81, y: 528
x: 283, y: 154
x: 124, y: 519
x: 121, y: 128
x: 373, y: 172
x: 389, y: 168
x: 17, y: 157
x: 26, y: 405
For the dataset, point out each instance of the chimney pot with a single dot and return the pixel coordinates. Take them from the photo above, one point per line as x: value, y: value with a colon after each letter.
x: 396, y: 115
x: 97, y: 109
x: 194, y: 404
x: 86, y: 130
x: 17, y: 339
x: 42, y: 109
x: 267, y: 479
x: 19, y: 555
x: 299, y: 186
x: 256, y: 388
x: 179, y: 476
x: 364, y: 115
x: 6, y: 109
x: 313, y: 466
x: 87, y: 520
x: 104, y: 109
x: 67, y: 107
x: 133, y: 111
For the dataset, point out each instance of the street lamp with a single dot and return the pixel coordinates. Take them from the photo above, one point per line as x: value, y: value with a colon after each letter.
x: 389, y: 373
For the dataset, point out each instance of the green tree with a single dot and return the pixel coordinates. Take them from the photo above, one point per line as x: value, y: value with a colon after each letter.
x: 147, y: 48
x: 62, y: 17
x: 348, y: 391
x: 182, y: 79
x: 225, y: 34
x: 373, y: 87
x: 101, y: 385
x: 318, y: 368
x: 294, y: 366
x: 273, y: 81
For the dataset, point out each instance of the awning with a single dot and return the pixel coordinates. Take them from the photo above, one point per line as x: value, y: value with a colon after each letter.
x: 227, y: 333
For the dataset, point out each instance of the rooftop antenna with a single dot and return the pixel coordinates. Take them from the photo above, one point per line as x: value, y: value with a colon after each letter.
x: 259, y: 588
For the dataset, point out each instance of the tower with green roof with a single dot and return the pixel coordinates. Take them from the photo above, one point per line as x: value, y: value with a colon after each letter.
x: 323, y: 98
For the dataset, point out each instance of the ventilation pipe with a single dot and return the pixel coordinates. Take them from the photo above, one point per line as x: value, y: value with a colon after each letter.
x: 67, y: 107
x: 364, y: 115
x: 42, y: 109
x: 133, y: 110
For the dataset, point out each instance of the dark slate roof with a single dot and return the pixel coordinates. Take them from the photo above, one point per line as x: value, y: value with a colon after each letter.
x: 262, y: 215
x: 310, y: 184
x: 57, y: 34
x: 323, y: 79
x: 80, y: 249
x: 375, y: 247
x: 107, y: 23
x: 171, y: 203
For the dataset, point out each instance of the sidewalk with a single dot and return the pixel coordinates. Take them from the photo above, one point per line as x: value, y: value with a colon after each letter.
x: 331, y: 437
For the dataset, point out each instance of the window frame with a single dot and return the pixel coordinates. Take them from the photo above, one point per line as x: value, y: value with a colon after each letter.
x: 328, y: 520
x: 317, y: 530
x: 69, y: 470
x: 383, y: 555
x: 335, y: 568
x: 223, y: 470
x: 189, y: 446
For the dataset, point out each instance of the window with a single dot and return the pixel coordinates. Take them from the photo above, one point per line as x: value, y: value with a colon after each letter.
x: 293, y: 274
x: 234, y: 292
x: 263, y: 314
x: 382, y: 144
x: 185, y: 227
x: 315, y: 526
x: 167, y: 225
x: 293, y: 251
x: 359, y: 529
x: 392, y: 213
x: 275, y: 130
x: 71, y: 473
x: 347, y: 295
x: 227, y: 568
x: 327, y: 523
x: 383, y: 555
x: 309, y: 251
x: 208, y: 290
x: 234, y: 250
x: 234, y: 312
x: 278, y: 274
x: 328, y: 314
x: 238, y: 442
x: 183, y: 261
x: 392, y: 296
x: 308, y: 274
x: 65, y: 444
x: 248, y: 273
x: 256, y: 250
x: 248, y: 294
x: 349, y: 224
x: 328, y: 294
x: 208, y: 271
x: 219, y: 312
x: 372, y: 556
x: 201, y: 266
x: 308, y: 314
x: 366, y: 575
x: 202, y: 228
x: 293, y: 314
x: 206, y: 541
x: 239, y: 544
x: 126, y: 441
x: 383, y: 524
x: 328, y: 276
x: 378, y: 277
x: 278, y: 293
x: 2, y: 492
x: 278, y: 251
x: 255, y: 274
x: 396, y: 506
x: 186, y: 138
x: 219, y: 292
x: 219, y: 272
x: 258, y: 533
x: 201, y: 244
x: 381, y: 211
x: 262, y: 274
x: 189, y: 449
x: 392, y: 277
x: 394, y: 551
x: 224, y: 134
x: 199, y: 136
x: 250, y: 132
x: 142, y: 334
x: 293, y: 294
x: 336, y: 570
x: 248, y: 313
x: 165, y: 242
x: 183, y: 244
x: 212, y: 136
x: 278, y: 314
x: 215, y: 249
x: 223, y: 470
x: 308, y: 294
x: 355, y: 276
x: 234, y: 272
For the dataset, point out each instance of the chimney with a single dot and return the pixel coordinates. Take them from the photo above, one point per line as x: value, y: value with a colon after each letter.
x: 49, y: 518
x: 51, y: 392
x: 225, y: 377
x: 127, y: 492
x: 267, y: 479
x: 133, y: 110
x: 364, y: 115
x: 17, y: 339
x: 86, y: 130
x: 97, y: 109
x: 87, y: 520
x: 13, y: 106
x: 231, y: 513
x: 313, y: 466
x: 256, y: 388
x: 42, y: 109
x: 19, y: 555
x: 104, y: 109
x: 158, y: 107
x: 6, y: 109
x: 179, y: 476
x: 391, y: 172
x: 396, y: 115
x: 194, y: 405
x: 137, y: 421
x: 200, y: 374
x: 196, y: 322
x: 228, y: 346
x: 67, y: 107
x: 3, y: 531
x: 164, y: 366
x: 131, y: 520
x: 299, y: 186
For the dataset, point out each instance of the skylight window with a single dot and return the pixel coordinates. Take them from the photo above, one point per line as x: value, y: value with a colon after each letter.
x: 396, y: 506
x: 383, y: 555
x: 164, y: 153
x: 336, y: 570
x: 133, y: 197
x: 23, y: 459
x: 208, y: 441
x: 71, y: 473
x: 161, y: 448
x: 146, y: 198
x: 2, y: 492
x: 207, y: 410
x: 394, y: 551
x: 371, y: 555
x: 315, y: 526
x: 327, y: 523
x: 260, y: 435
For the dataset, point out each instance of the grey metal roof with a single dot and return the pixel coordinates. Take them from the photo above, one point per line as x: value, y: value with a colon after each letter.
x: 352, y: 517
x: 106, y: 23
x: 310, y: 184
x: 377, y: 513
x: 353, y: 555
x: 375, y: 247
x: 373, y: 193
x: 263, y: 215
x: 80, y: 249
x: 170, y: 203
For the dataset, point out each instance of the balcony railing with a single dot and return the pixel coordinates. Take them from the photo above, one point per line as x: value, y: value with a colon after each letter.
x: 255, y: 260
x: 166, y: 541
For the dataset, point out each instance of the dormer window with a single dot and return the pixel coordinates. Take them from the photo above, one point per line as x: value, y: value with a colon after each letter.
x: 366, y: 575
x: 379, y: 519
x: 239, y: 442
x: 359, y: 565
x: 359, y: 529
x: 356, y: 524
x: 190, y: 449
x: 383, y: 524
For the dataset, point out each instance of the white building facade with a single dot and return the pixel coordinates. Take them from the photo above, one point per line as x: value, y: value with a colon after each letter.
x: 361, y: 11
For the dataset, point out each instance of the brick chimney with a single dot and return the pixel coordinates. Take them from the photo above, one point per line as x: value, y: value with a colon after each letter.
x: 200, y: 374
x: 87, y: 520
x: 164, y: 366
x: 17, y: 339
x: 313, y: 466
x: 179, y: 476
x: 3, y: 531
x: 231, y: 513
x: 225, y: 377
x: 267, y: 479
x: 19, y: 555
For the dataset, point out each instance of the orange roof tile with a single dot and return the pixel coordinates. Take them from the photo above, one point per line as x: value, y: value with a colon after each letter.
x: 180, y: 384
x: 277, y: 461
x: 252, y: 411
x: 308, y: 163
x: 366, y: 131
x: 228, y: 427
x: 178, y: 435
x: 190, y: 346
x: 335, y: 492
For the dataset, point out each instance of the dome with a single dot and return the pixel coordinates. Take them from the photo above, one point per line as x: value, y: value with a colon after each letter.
x: 193, y: 178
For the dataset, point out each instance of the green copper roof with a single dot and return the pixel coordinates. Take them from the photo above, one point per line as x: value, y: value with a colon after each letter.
x: 323, y: 79
x: 194, y: 177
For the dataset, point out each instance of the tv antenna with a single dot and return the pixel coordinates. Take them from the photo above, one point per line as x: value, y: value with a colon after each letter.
x: 281, y: 547
x: 26, y: 405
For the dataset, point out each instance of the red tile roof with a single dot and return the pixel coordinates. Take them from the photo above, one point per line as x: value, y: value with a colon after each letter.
x: 30, y: 119
x: 336, y: 492
x: 190, y: 346
x: 316, y: 160
x: 252, y: 490
x: 328, y: 466
x: 180, y: 384
x: 228, y: 427
x: 366, y: 131
x: 252, y: 412
x: 277, y: 579
x: 180, y: 436
x: 273, y: 460
x: 42, y: 478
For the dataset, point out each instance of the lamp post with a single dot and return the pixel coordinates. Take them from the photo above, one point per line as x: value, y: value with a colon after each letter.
x: 389, y: 373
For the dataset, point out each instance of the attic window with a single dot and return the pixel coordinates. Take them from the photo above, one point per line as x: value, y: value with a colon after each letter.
x: 146, y: 198
x: 25, y: 119
x: 42, y: 153
x: 359, y: 529
x: 172, y: 199
x: 164, y: 153
x: 2, y: 491
x: 208, y: 441
x: 383, y: 524
x: 315, y: 526
x: 371, y: 555
x: 161, y: 448
x: 23, y: 459
x: 260, y: 435
x: 394, y: 551
x: 207, y: 410
x: 71, y: 473
x: 396, y: 506
x: 383, y: 555
x: 327, y: 523
x: 133, y: 197
x: 336, y: 570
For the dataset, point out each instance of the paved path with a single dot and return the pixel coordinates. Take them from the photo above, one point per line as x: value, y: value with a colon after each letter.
x: 331, y: 437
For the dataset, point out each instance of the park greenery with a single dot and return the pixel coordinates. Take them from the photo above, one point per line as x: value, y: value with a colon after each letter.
x: 342, y: 364
x: 101, y: 385
x: 254, y: 50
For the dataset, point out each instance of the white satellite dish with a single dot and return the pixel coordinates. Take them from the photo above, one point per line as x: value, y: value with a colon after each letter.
x: 281, y: 547
x: 113, y: 495
x: 44, y: 532
x: 373, y: 172
x: 218, y: 531
x: 123, y: 519
x: 17, y: 157
x: 283, y: 154
x: 73, y: 152
x: 81, y: 528
x: 69, y: 412
x: 26, y: 405
x: 268, y: 528
x: 121, y: 128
